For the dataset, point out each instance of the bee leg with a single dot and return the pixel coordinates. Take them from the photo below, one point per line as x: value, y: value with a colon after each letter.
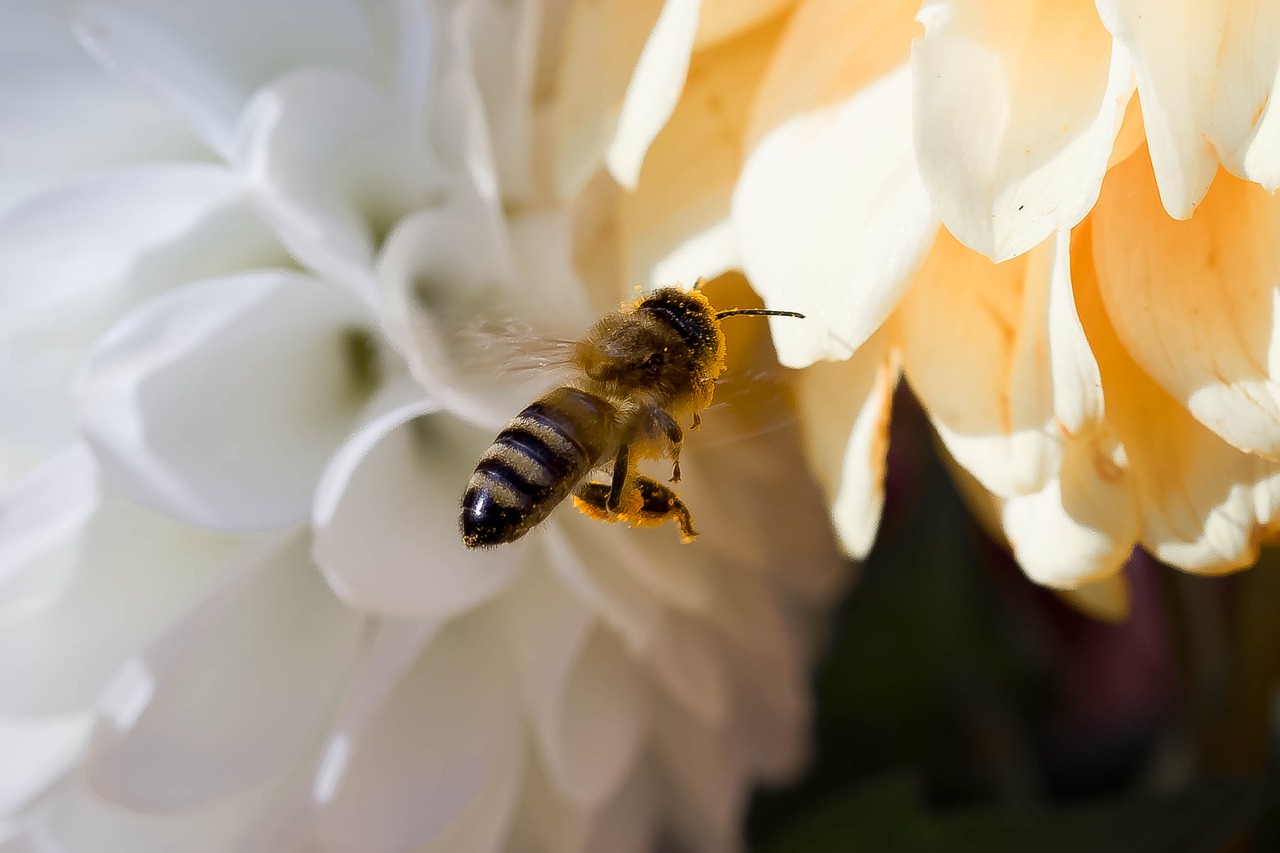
x: 591, y: 500
x: 670, y: 427
x: 621, y: 467
x: 697, y: 421
x: 659, y: 504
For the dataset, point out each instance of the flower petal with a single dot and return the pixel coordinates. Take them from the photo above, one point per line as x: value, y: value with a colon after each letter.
x: 386, y: 519
x: 86, y: 582
x: 188, y: 721
x: 592, y: 81
x: 75, y: 259
x: 1082, y: 525
x: 36, y: 753
x: 844, y: 416
x: 448, y: 732
x: 833, y: 220
x: 1206, y: 74
x: 654, y: 89
x: 1200, y: 500
x: 334, y: 164
x: 1016, y: 112
x: 721, y: 20
x: 206, y: 62
x: 686, y: 662
x: 975, y: 348
x: 1195, y: 302
x: 1108, y: 599
x: 219, y: 403
x: 1078, y: 401
x: 684, y: 190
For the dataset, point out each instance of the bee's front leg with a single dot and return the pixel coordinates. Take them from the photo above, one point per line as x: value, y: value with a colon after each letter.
x: 661, y: 423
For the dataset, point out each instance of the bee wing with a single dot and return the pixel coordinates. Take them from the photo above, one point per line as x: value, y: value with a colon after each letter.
x: 510, y: 347
x: 749, y: 403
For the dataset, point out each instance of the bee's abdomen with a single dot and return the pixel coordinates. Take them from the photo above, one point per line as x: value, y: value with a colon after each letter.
x: 534, y: 463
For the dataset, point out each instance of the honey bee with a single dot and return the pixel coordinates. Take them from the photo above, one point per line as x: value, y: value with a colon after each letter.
x: 636, y: 375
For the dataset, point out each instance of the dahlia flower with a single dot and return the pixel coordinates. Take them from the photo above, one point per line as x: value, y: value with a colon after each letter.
x: 236, y: 240
x: 1053, y: 219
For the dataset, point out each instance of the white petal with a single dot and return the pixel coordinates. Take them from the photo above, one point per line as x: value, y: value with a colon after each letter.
x: 1081, y: 526
x: 229, y: 695
x: 386, y: 518
x: 60, y: 115
x: 447, y: 733
x: 1196, y: 303
x: 206, y: 59
x: 334, y: 163
x: 833, y: 220
x: 36, y: 753
x: 975, y: 348
x: 1016, y: 111
x: 1206, y: 75
x: 75, y: 259
x: 844, y: 416
x: 587, y: 703
x: 654, y: 89
x: 220, y: 402
x: 705, y: 782
x: 86, y: 584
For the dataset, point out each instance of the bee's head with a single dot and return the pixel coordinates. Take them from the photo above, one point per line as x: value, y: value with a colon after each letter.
x: 634, y: 352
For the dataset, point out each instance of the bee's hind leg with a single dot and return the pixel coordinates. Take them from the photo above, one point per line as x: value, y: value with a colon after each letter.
x: 659, y: 504
x: 651, y: 504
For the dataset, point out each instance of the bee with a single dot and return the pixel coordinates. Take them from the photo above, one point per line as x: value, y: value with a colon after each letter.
x: 637, y: 374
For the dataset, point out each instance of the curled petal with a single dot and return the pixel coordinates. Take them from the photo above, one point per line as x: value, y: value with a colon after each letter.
x: 654, y: 89
x: 1016, y: 111
x: 220, y: 402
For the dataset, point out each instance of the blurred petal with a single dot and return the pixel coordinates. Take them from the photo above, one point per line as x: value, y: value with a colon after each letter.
x: 205, y: 62
x: 1016, y: 110
x: 85, y: 583
x: 447, y: 734
x: 721, y: 20
x: 686, y: 662
x: 833, y: 220
x: 844, y: 416
x: 1108, y: 599
x: 1195, y: 303
x: 36, y: 753
x: 386, y: 519
x: 77, y: 258
x: 705, y: 780
x: 592, y: 82
x: 188, y: 721
x: 334, y: 164
x: 655, y: 87
x: 685, y: 186
x: 975, y: 348
x: 219, y: 403
x: 1206, y: 73
x: 1077, y: 386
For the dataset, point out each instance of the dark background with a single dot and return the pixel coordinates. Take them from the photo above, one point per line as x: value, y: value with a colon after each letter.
x: 962, y: 708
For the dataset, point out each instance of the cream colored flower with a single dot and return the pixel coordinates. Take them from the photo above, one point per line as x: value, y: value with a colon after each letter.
x: 1052, y: 218
x: 236, y: 242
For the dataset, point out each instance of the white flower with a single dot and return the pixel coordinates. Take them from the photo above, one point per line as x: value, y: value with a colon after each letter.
x: 235, y: 612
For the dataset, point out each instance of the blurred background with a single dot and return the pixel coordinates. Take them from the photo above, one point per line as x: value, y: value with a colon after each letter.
x: 960, y: 707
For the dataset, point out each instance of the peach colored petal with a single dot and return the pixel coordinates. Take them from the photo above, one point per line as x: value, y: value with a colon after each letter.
x: 1016, y: 111
x: 1196, y: 303
x: 721, y: 20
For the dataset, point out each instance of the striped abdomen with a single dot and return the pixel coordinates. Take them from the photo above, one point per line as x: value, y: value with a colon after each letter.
x: 534, y: 464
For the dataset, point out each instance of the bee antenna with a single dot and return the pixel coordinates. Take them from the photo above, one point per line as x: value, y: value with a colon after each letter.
x: 756, y: 312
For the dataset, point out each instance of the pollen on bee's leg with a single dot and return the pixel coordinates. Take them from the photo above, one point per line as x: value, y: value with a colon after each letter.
x: 592, y: 500
x: 658, y: 505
